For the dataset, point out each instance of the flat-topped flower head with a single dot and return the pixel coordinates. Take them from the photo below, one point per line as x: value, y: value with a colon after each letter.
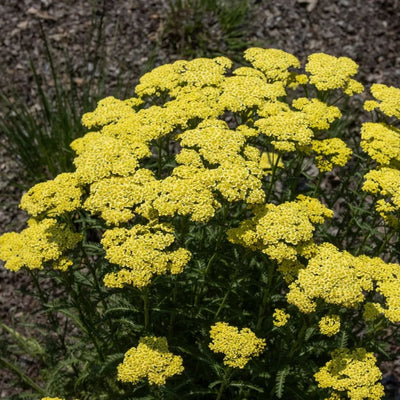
x: 238, y: 347
x: 274, y: 63
x: 115, y: 198
x: 54, y: 197
x: 384, y: 184
x: 149, y: 359
x: 388, y: 100
x: 287, y: 129
x: 330, y: 153
x: 43, y: 242
x: 52, y: 398
x: 334, y: 276
x: 320, y: 115
x: 280, y: 231
x: 329, y: 325
x: 142, y: 252
x: 381, y: 142
x: 353, y: 373
x: 100, y: 156
x: 110, y: 110
x: 329, y: 72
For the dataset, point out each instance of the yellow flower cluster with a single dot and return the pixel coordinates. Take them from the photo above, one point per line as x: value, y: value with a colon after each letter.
x: 280, y: 317
x: 293, y: 130
x: 352, y: 373
x: 44, y: 241
x: 329, y: 325
x: 141, y: 252
x: 150, y: 359
x: 329, y: 72
x: 279, y: 231
x: 381, y: 142
x: 319, y: 114
x: 385, y: 183
x: 330, y: 153
x: 388, y: 100
x: 237, y: 346
x: 287, y: 129
x: 101, y: 156
x: 342, y: 279
x: 110, y: 110
x: 274, y: 63
x: 51, y: 198
x: 114, y: 198
x: 372, y: 311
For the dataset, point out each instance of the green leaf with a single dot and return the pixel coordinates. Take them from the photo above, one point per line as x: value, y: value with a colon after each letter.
x: 280, y: 381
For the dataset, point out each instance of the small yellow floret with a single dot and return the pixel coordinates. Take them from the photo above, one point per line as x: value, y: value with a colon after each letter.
x: 280, y: 317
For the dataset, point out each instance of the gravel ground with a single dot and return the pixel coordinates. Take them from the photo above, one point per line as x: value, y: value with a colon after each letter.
x: 368, y: 31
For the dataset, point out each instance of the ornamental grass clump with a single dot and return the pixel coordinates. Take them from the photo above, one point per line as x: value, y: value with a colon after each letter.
x: 227, y: 233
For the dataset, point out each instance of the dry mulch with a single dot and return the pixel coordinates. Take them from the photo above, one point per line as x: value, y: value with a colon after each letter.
x: 368, y: 31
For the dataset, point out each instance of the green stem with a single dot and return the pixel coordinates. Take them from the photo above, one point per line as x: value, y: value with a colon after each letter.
x: 25, y: 378
x: 266, y: 296
x: 318, y: 183
x: 84, y: 321
x: 222, y: 305
x: 145, y: 298
x: 353, y: 219
x: 50, y: 314
x: 205, y: 273
x: 159, y: 158
x: 296, y: 175
x: 273, y: 178
x: 300, y: 337
x: 225, y: 383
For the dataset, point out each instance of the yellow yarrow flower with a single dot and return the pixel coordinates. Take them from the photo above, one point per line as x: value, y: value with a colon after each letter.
x: 114, y: 198
x: 141, y: 252
x: 109, y: 110
x: 320, y: 115
x: 150, y: 359
x: 329, y: 72
x: 388, y: 100
x: 334, y: 276
x: 42, y: 242
x: 372, y: 311
x: 54, y: 197
x: 352, y: 373
x: 279, y: 231
x: 274, y: 63
x: 240, y: 93
x: 384, y: 183
x: 52, y: 398
x: 381, y: 142
x: 330, y: 153
x: 280, y: 317
x: 100, y: 156
x: 237, y: 346
x: 329, y: 325
x: 287, y: 129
